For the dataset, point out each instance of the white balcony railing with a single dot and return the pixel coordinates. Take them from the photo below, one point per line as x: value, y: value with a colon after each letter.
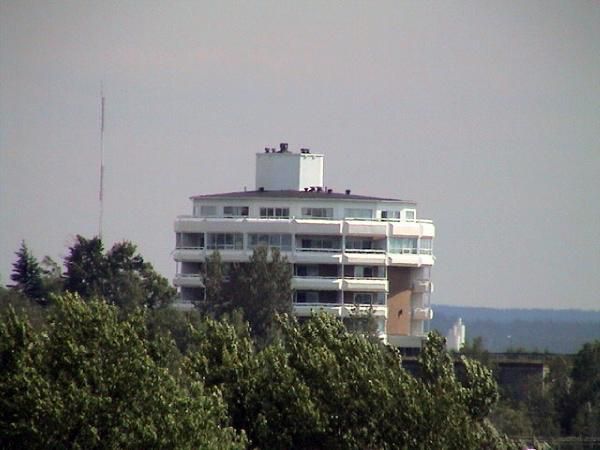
x: 318, y: 250
x: 294, y: 218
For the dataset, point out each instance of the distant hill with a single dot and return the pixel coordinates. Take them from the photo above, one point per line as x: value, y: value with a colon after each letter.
x: 555, y: 331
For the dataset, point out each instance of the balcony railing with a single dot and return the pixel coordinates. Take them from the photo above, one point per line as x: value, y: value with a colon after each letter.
x: 321, y: 250
x: 365, y: 250
x: 365, y: 278
x: 292, y: 218
x: 317, y: 276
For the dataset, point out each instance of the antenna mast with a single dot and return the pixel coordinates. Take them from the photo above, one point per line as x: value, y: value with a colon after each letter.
x: 101, y: 196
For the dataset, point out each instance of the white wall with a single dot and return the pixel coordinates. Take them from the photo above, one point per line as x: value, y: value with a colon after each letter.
x: 278, y: 171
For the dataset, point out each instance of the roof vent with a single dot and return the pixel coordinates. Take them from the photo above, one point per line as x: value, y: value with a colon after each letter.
x: 319, y: 189
x: 347, y: 191
x: 305, y: 189
x: 305, y: 151
x: 261, y: 189
x: 283, y: 147
x: 267, y: 149
x: 329, y: 191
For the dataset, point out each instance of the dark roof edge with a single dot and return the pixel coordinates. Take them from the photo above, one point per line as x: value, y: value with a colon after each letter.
x: 323, y: 195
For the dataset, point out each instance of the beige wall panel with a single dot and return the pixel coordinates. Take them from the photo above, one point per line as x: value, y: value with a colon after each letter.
x: 399, y: 305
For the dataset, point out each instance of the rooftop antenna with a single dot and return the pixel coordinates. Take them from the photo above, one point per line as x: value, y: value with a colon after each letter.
x: 101, y: 194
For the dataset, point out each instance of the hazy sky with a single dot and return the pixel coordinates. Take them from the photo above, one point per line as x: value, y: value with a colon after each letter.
x: 485, y: 113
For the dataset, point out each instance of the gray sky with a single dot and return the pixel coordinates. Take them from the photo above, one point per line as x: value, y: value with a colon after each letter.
x: 485, y: 113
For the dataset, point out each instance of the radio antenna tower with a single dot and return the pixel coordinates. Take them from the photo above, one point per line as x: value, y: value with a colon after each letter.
x: 101, y: 194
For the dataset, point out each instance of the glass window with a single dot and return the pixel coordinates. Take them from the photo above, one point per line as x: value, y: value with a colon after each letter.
x: 307, y: 270
x: 277, y: 213
x: 235, y: 211
x: 190, y: 240
x: 403, y: 245
x: 390, y: 214
x: 426, y: 246
x: 208, y: 211
x: 281, y: 241
x: 327, y: 243
x: 363, y: 298
x: 307, y: 297
x: 358, y: 213
x: 318, y: 213
x: 365, y: 271
x: 358, y: 244
x: 225, y: 241
x: 410, y: 214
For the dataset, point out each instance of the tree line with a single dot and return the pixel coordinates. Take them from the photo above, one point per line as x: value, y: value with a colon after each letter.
x: 566, y: 402
x: 94, y: 357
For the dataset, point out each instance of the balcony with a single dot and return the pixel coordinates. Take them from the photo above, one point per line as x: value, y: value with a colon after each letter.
x: 317, y: 226
x: 188, y: 280
x: 189, y: 254
x: 423, y: 228
x: 422, y: 286
x: 372, y: 256
x: 317, y: 255
x: 307, y: 309
x: 189, y: 224
x: 422, y: 314
x: 365, y: 284
x: 358, y: 310
x: 366, y: 227
x: 316, y: 283
x: 409, y: 260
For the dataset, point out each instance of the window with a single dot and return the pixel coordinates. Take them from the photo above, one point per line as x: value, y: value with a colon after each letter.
x: 321, y: 243
x: 309, y: 270
x: 369, y: 298
x: 410, y: 214
x: 358, y: 244
x: 281, y: 241
x: 365, y: 271
x: 190, y: 240
x: 426, y: 246
x: 390, y: 215
x: 276, y: 213
x: 363, y: 298
x: 403, y: 245
x: 235, y: 211
x: 307, y: 297
x: 225, y: 241
x: 358, y: 213
x: 318, y: 213
x: 208, y: 211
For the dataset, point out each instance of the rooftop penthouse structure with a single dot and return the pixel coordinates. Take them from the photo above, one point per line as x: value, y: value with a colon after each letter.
x: 351, y: 254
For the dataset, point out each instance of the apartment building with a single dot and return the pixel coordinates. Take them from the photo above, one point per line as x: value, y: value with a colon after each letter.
x: 351, y: 254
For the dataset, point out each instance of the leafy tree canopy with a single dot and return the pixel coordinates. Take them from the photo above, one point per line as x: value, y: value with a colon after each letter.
x: 261, y: 288
x: 27, y: 275
x: 93, y: 380
x: 120, y: 276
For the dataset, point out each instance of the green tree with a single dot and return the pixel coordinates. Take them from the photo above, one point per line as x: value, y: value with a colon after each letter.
x: 27, y: 276
x: 585, y: 391
x: 121, y: 276
x: 461, y: 410
x: 86, y: 269
x: 216, y: 302
x: 51, y: 276
x: 93, y: 380
x: 475, y: 349
x: 262, y: 289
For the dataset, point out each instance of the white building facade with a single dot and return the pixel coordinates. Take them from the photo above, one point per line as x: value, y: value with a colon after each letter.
x: 351, y: 254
